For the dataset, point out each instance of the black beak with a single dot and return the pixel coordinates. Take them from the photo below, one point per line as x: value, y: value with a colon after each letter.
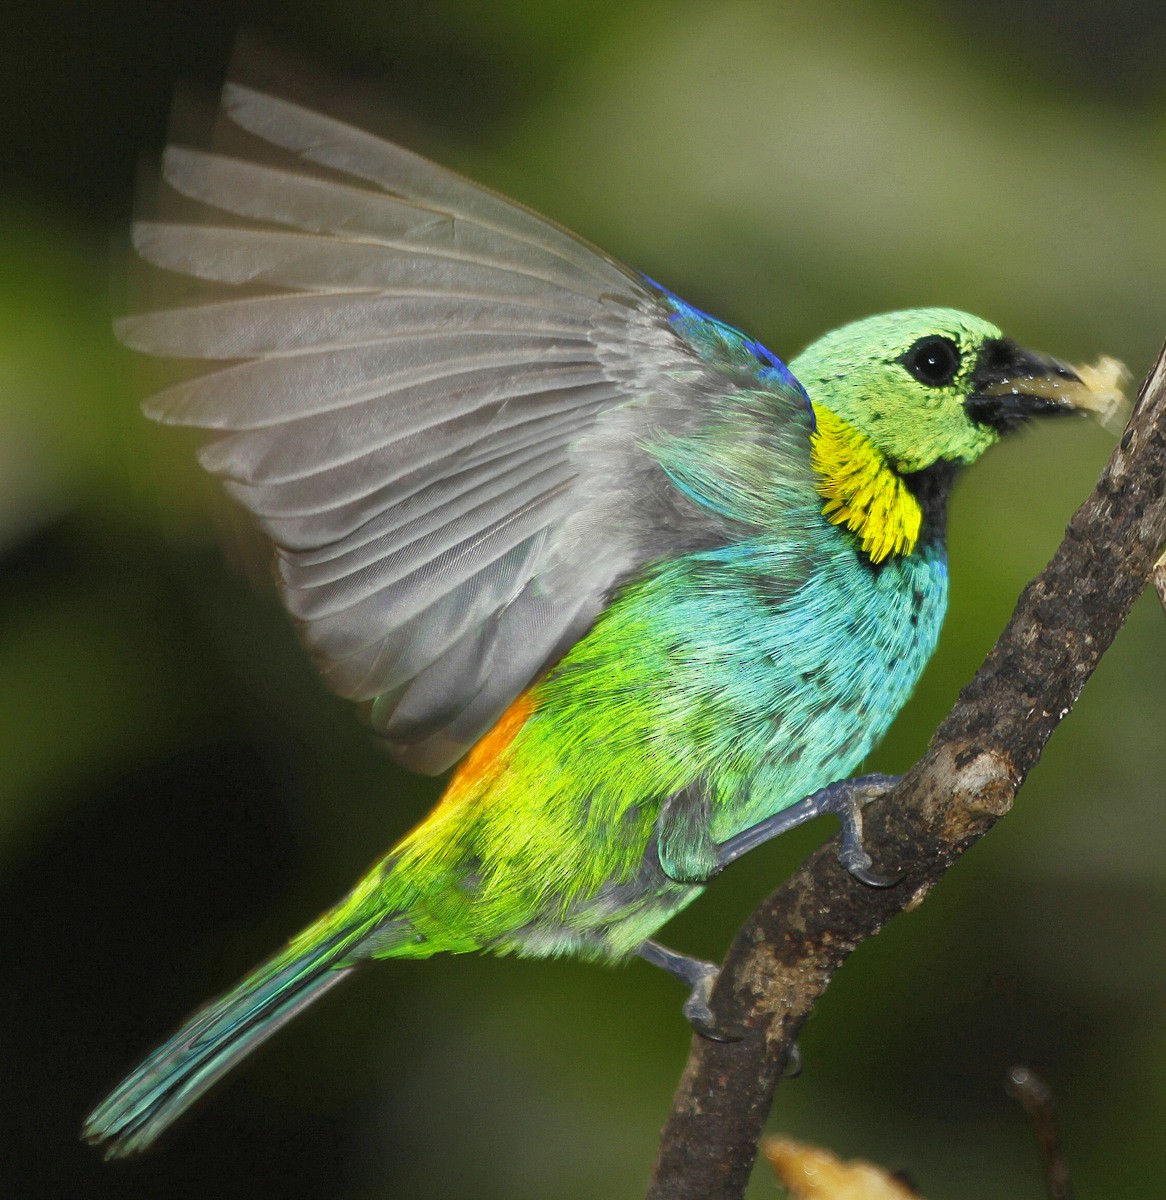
x: 1010, y: 385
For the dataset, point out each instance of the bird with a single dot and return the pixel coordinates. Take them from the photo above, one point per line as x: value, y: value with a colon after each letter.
x: 649, y: 591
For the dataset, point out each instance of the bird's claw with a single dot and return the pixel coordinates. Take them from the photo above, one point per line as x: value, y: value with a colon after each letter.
x: 699, y: 1014
x: 847, y: 801
x: 860, y: 864
x: 700, y: 976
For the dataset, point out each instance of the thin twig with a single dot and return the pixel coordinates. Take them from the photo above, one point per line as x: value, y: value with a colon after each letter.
x: 1036, y: 1097
x: 787, y: 951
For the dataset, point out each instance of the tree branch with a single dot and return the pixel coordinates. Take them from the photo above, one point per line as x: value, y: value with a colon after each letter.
x: 787, y: 951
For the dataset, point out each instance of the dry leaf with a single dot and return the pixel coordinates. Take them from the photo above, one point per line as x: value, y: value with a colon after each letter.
x: 811, y: 1173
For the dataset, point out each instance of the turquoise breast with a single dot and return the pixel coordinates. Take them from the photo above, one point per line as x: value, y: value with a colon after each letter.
x: 841, y: 656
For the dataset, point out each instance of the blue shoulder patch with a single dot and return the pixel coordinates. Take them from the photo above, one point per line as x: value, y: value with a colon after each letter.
x: 720, y: 344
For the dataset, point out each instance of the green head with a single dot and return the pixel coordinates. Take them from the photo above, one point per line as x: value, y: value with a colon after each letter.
x: 931, y: 384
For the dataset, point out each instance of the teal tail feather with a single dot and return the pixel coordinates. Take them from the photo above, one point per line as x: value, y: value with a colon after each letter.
x: 214, y: 1040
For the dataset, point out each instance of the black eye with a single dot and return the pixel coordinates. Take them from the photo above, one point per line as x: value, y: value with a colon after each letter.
x: 933, y: 360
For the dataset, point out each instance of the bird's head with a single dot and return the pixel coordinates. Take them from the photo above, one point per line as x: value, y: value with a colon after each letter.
x: 934, y: 384
x: 897, y: 394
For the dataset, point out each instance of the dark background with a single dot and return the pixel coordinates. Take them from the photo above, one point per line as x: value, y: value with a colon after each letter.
x: 178, y: 794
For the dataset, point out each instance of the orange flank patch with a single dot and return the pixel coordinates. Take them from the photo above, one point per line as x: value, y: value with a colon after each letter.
x: 483, y: 764
x: 485, y: 760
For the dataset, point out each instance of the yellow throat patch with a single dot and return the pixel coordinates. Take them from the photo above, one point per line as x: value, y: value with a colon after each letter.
x: 861, y: 490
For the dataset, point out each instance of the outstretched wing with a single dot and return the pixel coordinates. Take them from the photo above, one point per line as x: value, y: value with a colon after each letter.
x: 440, y: 407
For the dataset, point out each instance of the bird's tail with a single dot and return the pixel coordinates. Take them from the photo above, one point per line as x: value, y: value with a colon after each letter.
x: 220, y: 1034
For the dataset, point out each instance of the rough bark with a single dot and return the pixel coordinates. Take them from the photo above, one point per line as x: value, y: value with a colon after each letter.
x: 787, y: 951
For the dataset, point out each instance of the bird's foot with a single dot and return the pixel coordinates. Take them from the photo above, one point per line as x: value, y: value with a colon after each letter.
x: 845, y: 800
x: 696, y: 1008
x: 700, y: 976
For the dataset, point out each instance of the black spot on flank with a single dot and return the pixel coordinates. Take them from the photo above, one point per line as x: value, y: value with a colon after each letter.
x: 917, y: 598
x: 914, y: 619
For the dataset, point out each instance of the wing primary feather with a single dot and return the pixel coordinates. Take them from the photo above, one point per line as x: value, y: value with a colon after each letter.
x: 344, y: 498
x: 267, y: 392
x: 273, y: 326
x: 331, y: 143
x: 423, y: 439
x: 312, y: 262
x: 325, y: 206
x: 283, y: 454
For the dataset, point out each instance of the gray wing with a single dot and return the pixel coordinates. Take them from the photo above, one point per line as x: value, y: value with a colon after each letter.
x: 434, y: 402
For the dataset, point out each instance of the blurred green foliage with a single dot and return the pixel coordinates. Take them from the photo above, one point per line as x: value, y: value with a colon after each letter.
x: 177, y: 793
